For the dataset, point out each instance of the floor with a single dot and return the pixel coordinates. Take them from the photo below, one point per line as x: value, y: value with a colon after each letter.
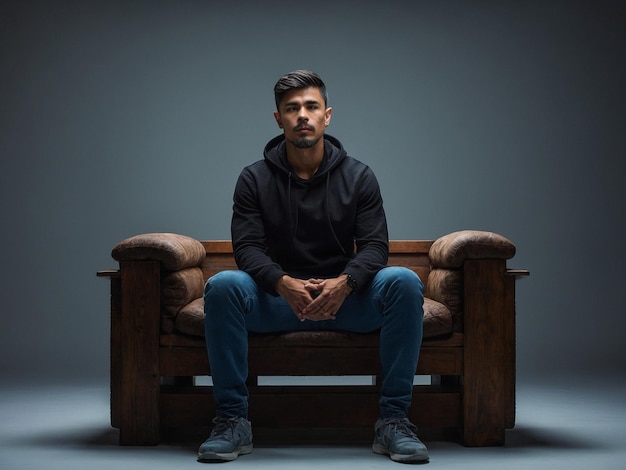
x: 569, y: 424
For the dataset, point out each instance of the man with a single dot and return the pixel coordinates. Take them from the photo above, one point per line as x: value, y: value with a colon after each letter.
x: 297, y: 215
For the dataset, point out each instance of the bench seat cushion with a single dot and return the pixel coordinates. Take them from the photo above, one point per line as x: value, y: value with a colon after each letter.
x: 437, y: 320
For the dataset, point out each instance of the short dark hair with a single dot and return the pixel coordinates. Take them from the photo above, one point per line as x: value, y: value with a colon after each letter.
x: 296, y: 80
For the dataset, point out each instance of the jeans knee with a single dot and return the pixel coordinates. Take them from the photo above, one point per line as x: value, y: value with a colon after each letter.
x: 404, y: 280
x: 226, y: 283
x: 226, y: 296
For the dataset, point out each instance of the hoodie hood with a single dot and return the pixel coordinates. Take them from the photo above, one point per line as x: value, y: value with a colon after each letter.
x: 275, y: 154
x: 283, y: 224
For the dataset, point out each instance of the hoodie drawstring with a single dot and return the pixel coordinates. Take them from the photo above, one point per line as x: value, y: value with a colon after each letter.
x: 292, y: 225
x: 330, y: 223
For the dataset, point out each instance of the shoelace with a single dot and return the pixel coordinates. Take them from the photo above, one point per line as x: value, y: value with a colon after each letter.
x: 402, y: 426
x: 222, y: 425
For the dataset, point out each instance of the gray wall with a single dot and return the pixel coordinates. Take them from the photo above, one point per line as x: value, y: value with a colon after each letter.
x: 125, y: 117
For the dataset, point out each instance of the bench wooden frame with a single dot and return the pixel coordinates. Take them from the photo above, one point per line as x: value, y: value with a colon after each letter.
x: 154, y: 395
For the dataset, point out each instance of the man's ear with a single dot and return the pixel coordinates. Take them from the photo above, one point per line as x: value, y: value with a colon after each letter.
x: 278, y: 119
x: 329, y: 113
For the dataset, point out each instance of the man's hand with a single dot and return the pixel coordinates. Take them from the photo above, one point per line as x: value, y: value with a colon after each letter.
x: 314, y: 299
x: 295, y: 293
x: 329, y: 295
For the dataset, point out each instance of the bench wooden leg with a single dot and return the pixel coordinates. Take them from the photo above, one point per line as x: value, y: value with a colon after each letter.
x: 484, y: 379
x: 139, y: 335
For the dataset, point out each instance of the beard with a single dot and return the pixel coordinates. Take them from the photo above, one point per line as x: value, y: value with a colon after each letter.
x: 304, y: 143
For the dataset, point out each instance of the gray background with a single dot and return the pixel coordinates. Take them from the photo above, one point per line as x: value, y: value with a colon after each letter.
x: 120, y: 117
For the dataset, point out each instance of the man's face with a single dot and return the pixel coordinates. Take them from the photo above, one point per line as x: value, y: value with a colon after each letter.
x: 303, y: 116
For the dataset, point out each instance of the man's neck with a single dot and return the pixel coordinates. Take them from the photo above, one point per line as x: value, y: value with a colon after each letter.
x: 305, y: 162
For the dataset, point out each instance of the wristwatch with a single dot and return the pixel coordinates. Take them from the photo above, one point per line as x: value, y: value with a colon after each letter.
x: 352, y: 284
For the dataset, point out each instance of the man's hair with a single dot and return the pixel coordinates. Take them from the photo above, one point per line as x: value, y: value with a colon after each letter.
x: 296, y: 80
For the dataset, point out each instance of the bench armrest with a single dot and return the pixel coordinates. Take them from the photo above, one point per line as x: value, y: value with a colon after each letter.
x: 173, y: 251
x: 448, y: 256
x: 452, y: 250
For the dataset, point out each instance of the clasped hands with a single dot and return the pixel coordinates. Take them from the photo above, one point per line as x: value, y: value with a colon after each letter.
x: 314, y: 299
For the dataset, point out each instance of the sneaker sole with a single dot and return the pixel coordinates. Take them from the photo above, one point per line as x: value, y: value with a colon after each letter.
x: 402, y: 458
x: 224, y: 456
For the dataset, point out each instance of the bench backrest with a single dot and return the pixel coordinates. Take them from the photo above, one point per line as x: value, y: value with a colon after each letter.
x: 412, y: 254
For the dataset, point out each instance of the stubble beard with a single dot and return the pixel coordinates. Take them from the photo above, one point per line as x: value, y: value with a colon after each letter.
x: 304, y: 143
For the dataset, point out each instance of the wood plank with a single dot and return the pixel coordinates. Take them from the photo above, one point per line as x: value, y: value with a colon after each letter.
x: 329, y: 361
x: 410, y: 246
x: 412, y: 254
x: 440, y: 361
x: 484, y: 377
x: 140, y: 378
x: 217, y: 246
x: 509, y: 352
x: 285, y: 407
x: 117, y: 359
x: 395, y: 246
x: 517, y: 273
x: 177, y: 340
x: 108, y: 273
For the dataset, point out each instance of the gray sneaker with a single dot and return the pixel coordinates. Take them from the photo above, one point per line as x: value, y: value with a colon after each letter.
x: 230, y: 438
x: 397, y: 438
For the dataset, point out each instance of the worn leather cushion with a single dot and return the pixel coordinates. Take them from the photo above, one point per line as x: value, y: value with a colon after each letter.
x: 190, y: 319
x: 451, y: 250
x: 174, y: 251
x: 446, y: 286
x: 178, y: 288
x: 437, y: 321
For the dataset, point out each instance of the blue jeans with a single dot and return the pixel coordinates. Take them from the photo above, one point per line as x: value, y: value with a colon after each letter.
x: 236, y: 305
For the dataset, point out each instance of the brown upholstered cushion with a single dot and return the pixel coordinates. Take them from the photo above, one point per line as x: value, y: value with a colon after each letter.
x: 174, y: 251
x: 190, y: 319
x: 437, y: 319
x: 446, y: 286
x: 437, y: 322
x: 178, y: 288
x: 451, y: 250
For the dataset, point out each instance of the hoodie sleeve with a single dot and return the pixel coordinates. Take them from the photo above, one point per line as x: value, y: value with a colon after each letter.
x: 370, y: 232
x: 248, y: 235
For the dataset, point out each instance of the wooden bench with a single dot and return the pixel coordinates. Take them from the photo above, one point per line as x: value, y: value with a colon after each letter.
x: 157, y: 351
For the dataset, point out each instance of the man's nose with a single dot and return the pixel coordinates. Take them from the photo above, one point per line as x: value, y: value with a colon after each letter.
x: 303, y: 115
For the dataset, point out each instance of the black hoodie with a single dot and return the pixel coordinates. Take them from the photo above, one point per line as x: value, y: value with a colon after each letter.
x: 283, y: 224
